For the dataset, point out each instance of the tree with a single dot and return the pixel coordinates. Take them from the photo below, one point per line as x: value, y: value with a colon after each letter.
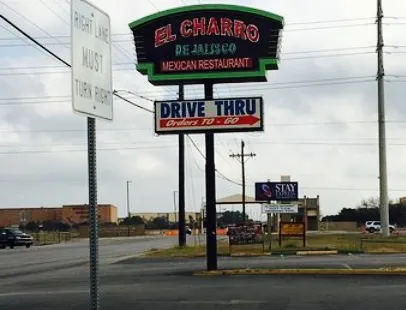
x: 368, y: 210
x: 134, y: 220
x: 158, y: 223
x: 231, y: 217
x: 371, y: 202
x: 31, y: 226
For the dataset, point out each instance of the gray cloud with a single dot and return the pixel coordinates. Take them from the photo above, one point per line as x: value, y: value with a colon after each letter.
x: 299, y: 137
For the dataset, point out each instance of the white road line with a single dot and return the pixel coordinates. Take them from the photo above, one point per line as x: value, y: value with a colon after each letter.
x: 43, y: 293
x: 347, y: 266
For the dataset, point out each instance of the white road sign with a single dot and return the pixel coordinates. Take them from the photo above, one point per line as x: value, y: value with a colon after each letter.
x: 92, y: 79
x: 279, y: 208
x: 217, y: 115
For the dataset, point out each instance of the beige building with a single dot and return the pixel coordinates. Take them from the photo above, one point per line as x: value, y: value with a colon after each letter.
x: 171, y: 216
x: 69, y: 214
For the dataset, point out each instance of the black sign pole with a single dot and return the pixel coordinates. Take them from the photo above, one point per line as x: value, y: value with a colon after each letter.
x: 211, y: 236
x: 182, y: 232
x: 93, y: 220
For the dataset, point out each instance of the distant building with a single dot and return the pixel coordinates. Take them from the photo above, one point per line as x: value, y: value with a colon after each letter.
x: 312, y: 207
x: 69, y: 214
x: 170, y: 216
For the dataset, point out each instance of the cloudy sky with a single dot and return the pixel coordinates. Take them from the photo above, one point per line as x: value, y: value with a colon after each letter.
x: 320, y: 115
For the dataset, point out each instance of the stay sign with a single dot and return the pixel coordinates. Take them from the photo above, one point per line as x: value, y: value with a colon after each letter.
x: 218, y: 115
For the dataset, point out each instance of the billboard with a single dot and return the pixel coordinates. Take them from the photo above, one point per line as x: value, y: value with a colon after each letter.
x: 280, y: 191
x: 279, y: 208
x: 201, y: 116
x: 292, y: 229
x: 242, y: 235
x: 198, y: 43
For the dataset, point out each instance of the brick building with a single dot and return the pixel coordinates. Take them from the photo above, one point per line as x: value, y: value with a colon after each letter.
x: 69, y: 214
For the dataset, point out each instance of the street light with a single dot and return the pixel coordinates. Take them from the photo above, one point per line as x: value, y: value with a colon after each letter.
x: 128, y: 198
x: 174, y: 204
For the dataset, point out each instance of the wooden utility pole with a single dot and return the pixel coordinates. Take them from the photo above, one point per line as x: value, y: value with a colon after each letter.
x: 243, y: 158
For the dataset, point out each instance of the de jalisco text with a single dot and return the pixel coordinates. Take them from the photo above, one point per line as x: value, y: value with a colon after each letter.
x: 206, y: 27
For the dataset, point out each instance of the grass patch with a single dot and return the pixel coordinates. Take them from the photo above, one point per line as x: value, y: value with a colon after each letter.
x: 343, y: 243
x: 350, y: 243
x: 200, y: 251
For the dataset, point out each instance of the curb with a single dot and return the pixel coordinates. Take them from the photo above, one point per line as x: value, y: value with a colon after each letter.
x: 245, y: 272
x: 317, y: 252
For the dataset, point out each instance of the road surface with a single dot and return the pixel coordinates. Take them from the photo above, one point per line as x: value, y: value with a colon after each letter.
x: 167, y: 284
x: 158, y: 284
x: 38, y: 259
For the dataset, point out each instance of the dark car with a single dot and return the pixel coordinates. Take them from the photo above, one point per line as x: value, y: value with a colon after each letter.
x: 14, y: 237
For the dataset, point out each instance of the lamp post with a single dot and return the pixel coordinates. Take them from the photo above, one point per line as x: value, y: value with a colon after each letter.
x: 128, y: 198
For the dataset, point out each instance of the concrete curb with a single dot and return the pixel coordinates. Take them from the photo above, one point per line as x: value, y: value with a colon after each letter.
x: 332, y: 252
x: 245, y: 272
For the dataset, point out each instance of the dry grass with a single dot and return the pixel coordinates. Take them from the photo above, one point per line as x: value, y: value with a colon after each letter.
x: 340, y: 242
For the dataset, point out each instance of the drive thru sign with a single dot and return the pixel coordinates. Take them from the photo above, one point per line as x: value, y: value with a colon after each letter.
x: 218, y: 115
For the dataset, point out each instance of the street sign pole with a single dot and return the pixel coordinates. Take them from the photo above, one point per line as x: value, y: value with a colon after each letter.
x: 92, y: 96
x: 93, y: 220
x: 211, y: 236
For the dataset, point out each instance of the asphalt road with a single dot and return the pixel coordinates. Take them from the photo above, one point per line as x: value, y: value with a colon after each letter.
x: 168, y: 284
x: 39, y: 259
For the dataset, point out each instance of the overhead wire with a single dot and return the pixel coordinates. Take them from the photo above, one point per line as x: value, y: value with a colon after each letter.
x: 115, y: 93
x: 277, y: 85
x: 203, y: 154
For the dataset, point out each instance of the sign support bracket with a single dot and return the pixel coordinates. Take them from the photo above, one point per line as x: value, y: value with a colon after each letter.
x: 211, y: 236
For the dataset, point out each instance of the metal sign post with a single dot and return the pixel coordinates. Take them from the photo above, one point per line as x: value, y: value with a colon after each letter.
x: 92, y: 96
x: 211, y: 236
x: 93, y: 223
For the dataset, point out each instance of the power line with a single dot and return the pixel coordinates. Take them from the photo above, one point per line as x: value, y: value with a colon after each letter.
x: 64, y: 62
x: 355, y: 122
x: 204, y: 157
x: 169, y: 145
x: 132, y: 64
x: 129, y: 34
x: 49, y: 99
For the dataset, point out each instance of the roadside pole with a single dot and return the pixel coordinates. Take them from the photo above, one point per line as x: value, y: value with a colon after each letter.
x: 182, y: 220
x: 93, y: 221
x: 92, y: 96
x: 210, y: 175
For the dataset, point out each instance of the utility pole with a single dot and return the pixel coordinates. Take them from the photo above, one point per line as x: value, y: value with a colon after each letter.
x: 241, y: 157
x: 383, y: 174
x: 128, y: 199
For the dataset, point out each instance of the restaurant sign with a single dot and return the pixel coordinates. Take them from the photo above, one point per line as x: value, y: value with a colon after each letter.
x: 211, y: 42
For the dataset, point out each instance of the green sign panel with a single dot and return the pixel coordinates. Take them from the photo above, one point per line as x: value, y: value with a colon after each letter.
x: 202, y: 43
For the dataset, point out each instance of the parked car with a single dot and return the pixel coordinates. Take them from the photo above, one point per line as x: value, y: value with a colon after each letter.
x: 374, y: 226
x: 14, y: 237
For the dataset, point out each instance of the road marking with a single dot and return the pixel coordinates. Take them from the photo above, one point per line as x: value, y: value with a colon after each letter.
x: 224, y: 302
x: 43, y: 293
x: 347, y: 266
